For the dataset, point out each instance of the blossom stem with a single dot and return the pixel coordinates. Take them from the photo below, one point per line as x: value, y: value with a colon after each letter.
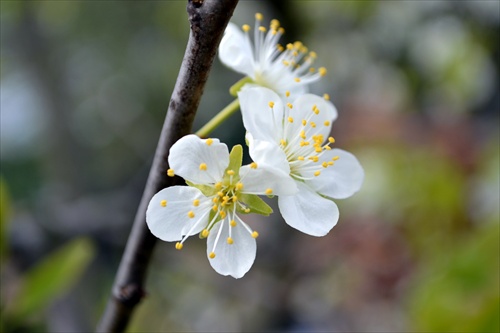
x: 218, y: 119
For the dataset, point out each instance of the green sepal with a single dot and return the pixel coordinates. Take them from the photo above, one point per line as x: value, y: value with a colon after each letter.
x: 238, y: 85
x: 255, y: 204
x: 235, y: 160
x: 207, y: 190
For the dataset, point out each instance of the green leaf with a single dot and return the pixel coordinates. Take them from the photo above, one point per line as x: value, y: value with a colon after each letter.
x: 238, y: 85
x: 256, y: 204
x: 235, y: 160
x: 51, y: 278
x: 207, y: 190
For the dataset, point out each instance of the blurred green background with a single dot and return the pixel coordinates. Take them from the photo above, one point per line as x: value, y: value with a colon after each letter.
x: 84, y: 90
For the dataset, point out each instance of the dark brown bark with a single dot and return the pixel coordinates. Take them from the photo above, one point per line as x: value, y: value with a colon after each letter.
x: 208, y: 20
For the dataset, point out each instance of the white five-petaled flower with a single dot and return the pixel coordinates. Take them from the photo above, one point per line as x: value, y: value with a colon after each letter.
x: 220, y: 188
x: 294, y: 138
x: 266, y: 62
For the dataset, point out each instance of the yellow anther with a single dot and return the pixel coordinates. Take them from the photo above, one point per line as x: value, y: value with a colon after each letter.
x: 313, y: 54
x: 226, y: 198
x: 271, y: 105
x: 303, y: 49
x: 215, y: 199
x: 170, y: 172
x: 211, y: 255
x: 286, y: 63
x: 295, y: 53
x: 324, y: 164
x: 304, y: 143
x: 204, y: 233
x: 297, y: 79
x: 297, y: 44
x: 289, y: 46
x: 280, y: 47
x: 245, y: 27
x: 290, y: 119
x: 196, y: 202
x: 209, y: 142
x: 215, y: 207
x: 327, y: 147
x: 313, y: 124
x: 283, y: 142
x: 315, y: 110
x: 287, y: 93
x: 326, y: 97
x: 178, y: 246
x: 203, y: 166
x: 220, y: 194
x: 234, y: 198
x: 290, y: 105
x: 335, y: 158
x: 255, y: 234
x: 223, y: 214
x: 275, y: 22
x: 253, y: 165
x: 247, y: 210
x: 232, y: 223
x: 322, y: 71
x: 304, y: 122
x: 218, y: 185
x: 326, y: 123
x: 230, y: 172
x: 239, y: 186
x: 262, y: 29
x: 190, y: 214
x: 269, y: 191
x: 163, y: 203
x: 230, y: 240
x: 281, y: 30
x: 317, y: 173
x: 300, y: 158
x: 302, y: 134
x: 318, y: 149
x: 331, y: 139
x: 259, y: 16
x: 314, y: 158
x: 330, y: 163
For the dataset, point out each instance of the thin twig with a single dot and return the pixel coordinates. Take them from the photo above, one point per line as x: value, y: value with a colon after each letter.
x: 208, y: 20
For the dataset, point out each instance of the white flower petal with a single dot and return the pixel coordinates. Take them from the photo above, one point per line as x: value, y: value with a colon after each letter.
x: 342, y: 179
x: 308, y: 212
x: 259, y: 119
x: 167, y: 213
x: 303, y: 110
x: 236, y: 52
x: 189, y: 153
x: 261, y: 179
x: 268, y: 154
x: 231, y: 259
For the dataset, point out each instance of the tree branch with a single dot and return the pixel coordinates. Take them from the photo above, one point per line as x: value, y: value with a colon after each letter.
x: 208, y: 19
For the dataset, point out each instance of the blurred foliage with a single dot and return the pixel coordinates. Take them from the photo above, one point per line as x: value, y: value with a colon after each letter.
x: 84, y: 90
x: 52, y: 277
x: 458, y: 289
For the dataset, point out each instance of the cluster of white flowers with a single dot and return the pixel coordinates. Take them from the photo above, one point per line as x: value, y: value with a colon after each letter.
x: 288, y: 135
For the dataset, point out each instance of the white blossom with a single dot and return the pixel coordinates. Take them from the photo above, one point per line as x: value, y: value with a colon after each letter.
x: 267, y: 63
x: 220, y: 189
x: 293, y: 137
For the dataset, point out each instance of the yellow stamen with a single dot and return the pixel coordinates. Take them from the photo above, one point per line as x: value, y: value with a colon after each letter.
x: 204, y: 233
x: 313, y: 124
x: 163, y: 203
x: 322, y: 71
x: 297, y: 79
x: 259, y: 16
x: 211, y: 255
x: 218, y: 185
x: 190, y: 214
x: 178, y: 246
x: 262, y: 29
x: 253, y: 165
x: 245, y: 27
x: 326, y: 123
x: 232, y: 223
x: 239, y: 186
x: 255, y: 234
x: 223, y: 214
x: 290, y: 105
x: 209, y: 142
x: 313, y: 54
x: 215, y: 200
x: 331, y: 140
x: 196, y: 202
x: 304, y: 122
x: 271, y: 104
x: 317, y: 173
x: 290, y: 119
x: 326, y: 97
x: 318, y: 149
x: 203, y: 166
x: 324, y: 165
x: 269, y: 191
x: 230, y: 240
x: 335, y: 158
x: 215, y: 207
x: 300, y: 158
x: 287, y: 93
x: 170, y: 172
x: 230, y: 172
